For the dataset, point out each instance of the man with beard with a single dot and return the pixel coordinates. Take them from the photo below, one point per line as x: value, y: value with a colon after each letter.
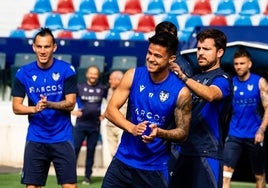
x: 200, y: 161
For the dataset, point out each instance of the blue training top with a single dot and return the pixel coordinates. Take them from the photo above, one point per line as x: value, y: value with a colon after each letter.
x: 205, y: 135
x: 153, y: 102
x: 247, y: 108
x: 49, y: 125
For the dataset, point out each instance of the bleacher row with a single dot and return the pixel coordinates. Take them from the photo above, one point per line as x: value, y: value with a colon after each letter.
x: 136, y: 19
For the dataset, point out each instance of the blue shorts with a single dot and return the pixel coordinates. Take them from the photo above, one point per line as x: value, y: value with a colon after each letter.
x: 120, y: 175
x: 234, y: 147
x: 38, y: 158
x: 197, y: 172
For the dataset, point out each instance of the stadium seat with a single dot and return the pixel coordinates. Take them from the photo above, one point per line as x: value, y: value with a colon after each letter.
x: 218, y: 20
x: 155, y: 7
x: 99, y: 23
x: 184, y: 35
x: 225, y: 7
x: 76, y: 22
x: 242, y: 21
x: 64, y: 34
x: 146, y: 23
x: 64, y: 57
x: 89, y: 35
x: 88, y: 60
x: 23, y: 58
x: 132, y: 7
x: 42, y: 6
x: 87, y: 7
x: 263, y: 21
x: 137, y: 36
x: 173, y: 19
x: 54, y: 21
x: 110, y: 7
x: 113, y: 35
x: 122, y: 23
x: 30, y: 21
x: 17, y: 33
x: 178, y: 7
x: 123, y: 63
x: 192, y: 21
x: 3, y: 73
x: 202, y: 7
x: 250, y: 7
x: 266, y: 9
x: 65, y: 6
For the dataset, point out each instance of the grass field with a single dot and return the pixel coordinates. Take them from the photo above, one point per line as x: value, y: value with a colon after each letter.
x: 12, y: 180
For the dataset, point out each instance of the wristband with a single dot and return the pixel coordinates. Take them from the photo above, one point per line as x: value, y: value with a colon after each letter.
x: 185, y: 79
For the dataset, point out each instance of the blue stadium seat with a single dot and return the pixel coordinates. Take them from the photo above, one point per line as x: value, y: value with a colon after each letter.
x: 173, y: 19
x: 113, y: 35
x: 110, y: 7
x: 17, y: 33
x: 250, y: 7
x: 42, y: 6
x: 155, y: 7
x: 192, y: 21
x: 137, y: 36
x: 184, y: 35
x: 241, y: 20
x: 76, y: 22
x: 263, y: 21
x: 89, y: 35
x: 178, y: 7
x: 225, y: 7
x: 54, y: 21
x: 122, y: 23
x: 87, y: 7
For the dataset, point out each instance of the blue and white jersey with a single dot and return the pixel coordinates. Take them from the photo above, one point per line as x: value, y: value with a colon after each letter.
x: 153, y: 102
x: 205, y: 133
x: 247, y: 108
x: 49, y: 125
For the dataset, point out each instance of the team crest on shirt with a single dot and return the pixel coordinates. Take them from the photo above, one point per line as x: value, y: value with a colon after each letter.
x: 163, y: 96
x: 55, y: 76
x: 250, y: 87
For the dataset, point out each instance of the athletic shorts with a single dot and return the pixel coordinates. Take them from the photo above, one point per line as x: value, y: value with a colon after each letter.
x: 38, y: 158
x: 120, y: 175
x: 197, y: 172
x: 234, y: 147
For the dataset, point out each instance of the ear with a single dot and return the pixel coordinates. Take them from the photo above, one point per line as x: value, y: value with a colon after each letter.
x: 249, y: 63
x: 220, y: 53
x: 55, y: 47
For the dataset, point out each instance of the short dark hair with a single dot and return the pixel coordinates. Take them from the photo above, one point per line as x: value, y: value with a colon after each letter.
x: 218, y: 36
x: 242, y: 52
x: 166, y: 26
x: 43, y: 32
x: 166, y: 39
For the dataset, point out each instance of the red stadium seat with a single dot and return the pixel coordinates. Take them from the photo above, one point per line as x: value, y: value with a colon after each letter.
x: 132, y: 7
x: 65, y: 6
x: 30, y: 21
x: 99, y: 23
x: 64, y: 34
x: 146, y: 23
x: 202, y: 7
x: 218, y: 20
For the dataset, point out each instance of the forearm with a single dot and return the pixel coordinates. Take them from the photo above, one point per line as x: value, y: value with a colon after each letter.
x: 24, y: 110
x: 61, y: 105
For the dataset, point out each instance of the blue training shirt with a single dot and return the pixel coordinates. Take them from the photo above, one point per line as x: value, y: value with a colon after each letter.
x: 153, y: 102
x: 247, y: 108
x: 49, y: 125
